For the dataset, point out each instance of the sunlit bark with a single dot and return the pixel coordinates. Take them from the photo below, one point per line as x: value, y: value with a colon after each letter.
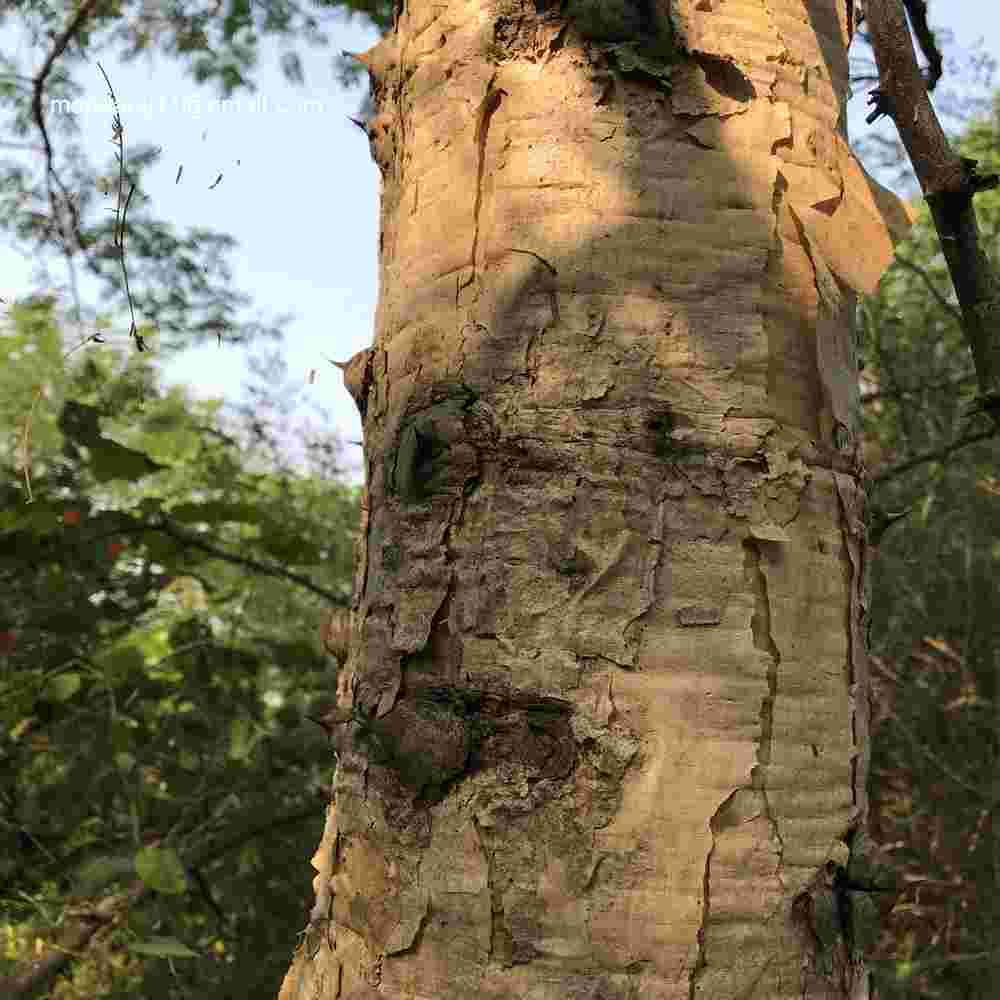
x: 606, y: 694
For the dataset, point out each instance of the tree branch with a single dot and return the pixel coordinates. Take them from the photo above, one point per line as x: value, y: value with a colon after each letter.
x: 931, y: 456
x: 948, y: 181
x: 942, y: 765
x: 951, y: 310
x: 917, y: 9
x: 76, y: 22
x: 77, y: 934
x: 80, y: 930
x: 278, y: 572
x: 915, y: 390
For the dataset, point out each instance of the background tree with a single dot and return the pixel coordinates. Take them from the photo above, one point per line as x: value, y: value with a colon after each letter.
x: 165, y: 584
x: 161, y: 598
x: 180, y: 282
x: 935, y: 614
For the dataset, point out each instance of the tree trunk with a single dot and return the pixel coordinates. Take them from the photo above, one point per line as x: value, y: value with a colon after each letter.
x: 606, y: 696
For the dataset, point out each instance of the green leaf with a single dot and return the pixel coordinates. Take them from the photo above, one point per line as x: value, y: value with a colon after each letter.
x: 289, y: 547
x: 97, y: 874
x: 108, y: 459
x: 161, y: 869
x: 214, y: 511
x: 163, y: 947
x: 111, y: 460
x: 40, y: 516
x: 71, y: 621
x: 121, y: 662
x: 63, y: 687
x: 633, y: 60
x: 241, y: 739
x: 150, y: 506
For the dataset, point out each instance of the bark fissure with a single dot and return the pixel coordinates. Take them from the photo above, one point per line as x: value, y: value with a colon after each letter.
x: 632, y: 632
x: 855, y: 560
x: 490, y: 887
x: 763, y: 638
x: 701, y: 962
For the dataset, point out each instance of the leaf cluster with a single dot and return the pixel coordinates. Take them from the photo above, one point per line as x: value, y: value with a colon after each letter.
x: 155, y: 672
x: 179, y: 283
x: 935, y: 625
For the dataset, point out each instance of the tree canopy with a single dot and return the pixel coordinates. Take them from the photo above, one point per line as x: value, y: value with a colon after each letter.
x: 157, y: 661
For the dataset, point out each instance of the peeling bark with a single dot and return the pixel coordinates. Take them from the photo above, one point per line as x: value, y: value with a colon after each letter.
x: 607, y: 683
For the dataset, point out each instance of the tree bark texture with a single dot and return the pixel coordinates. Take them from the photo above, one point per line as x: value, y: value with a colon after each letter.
x: 605, y: 704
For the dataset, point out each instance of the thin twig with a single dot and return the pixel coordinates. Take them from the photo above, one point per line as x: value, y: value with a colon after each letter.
x: 81, y: 930
x: 38, y: 113
x: 277, y: 572
x: 121, y: 209
x: 23, y: 452
x: 932, y: 456
x: 941, y: 764
x: 949, y: 181
x: 952, y: 310
x: 917, y: 390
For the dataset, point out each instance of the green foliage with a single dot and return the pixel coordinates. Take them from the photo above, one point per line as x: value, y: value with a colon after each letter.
x: 223, y: 50
x: 867, y: 867
x: 637, y: 36
x: 180, y: 283
x: 161, y: 869
x: 863, y: 923
x: 162, y: 947
x: 935, y: 614
x: 154, y: 670
x: 606, y: 20
x: 418, y: 467
x: 827, y: 927
x: 158, y: 592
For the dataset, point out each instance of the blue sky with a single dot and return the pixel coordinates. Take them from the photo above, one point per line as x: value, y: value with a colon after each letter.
x: 303, y: 200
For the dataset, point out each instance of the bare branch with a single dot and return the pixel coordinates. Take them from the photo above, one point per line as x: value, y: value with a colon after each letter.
x: 81, y: 929
x: 78, y: 931
x: 917, y: 9
x: 931, y: 456
x: 916, y: 390
x: 278, y: 572
x: 942, y: 765
x: 38, y: 113
x: 948, y: 181
x: 955, y: 313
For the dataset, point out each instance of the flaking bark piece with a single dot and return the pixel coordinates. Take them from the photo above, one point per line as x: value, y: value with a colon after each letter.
x: 358, y: 377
